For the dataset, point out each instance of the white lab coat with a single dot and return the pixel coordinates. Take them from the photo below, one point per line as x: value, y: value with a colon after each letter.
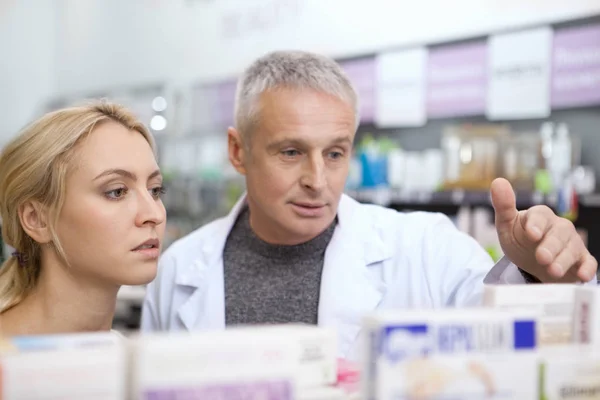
x: 378, y: 258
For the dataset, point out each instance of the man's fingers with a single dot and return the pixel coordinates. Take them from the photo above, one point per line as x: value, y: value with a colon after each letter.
x: 588, y: 268
x: 504, y: 203
x: 567, y: 260
x: 554, y: 241
x: 538, y: 221
x: 574, y: 264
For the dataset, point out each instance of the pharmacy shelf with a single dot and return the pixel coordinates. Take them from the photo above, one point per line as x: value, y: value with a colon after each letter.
x: 387, y: 197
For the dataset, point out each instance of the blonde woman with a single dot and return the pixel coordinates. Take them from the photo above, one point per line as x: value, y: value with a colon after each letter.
x: 80, y: 202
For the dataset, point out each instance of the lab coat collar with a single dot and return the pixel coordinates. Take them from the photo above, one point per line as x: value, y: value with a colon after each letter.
x: 352, y: 228
x: 350, y: 289
x: 210, y: 250
x: 203, y: 274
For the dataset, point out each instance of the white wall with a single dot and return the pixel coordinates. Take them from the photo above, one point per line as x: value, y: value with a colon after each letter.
x: 113, y: 42
x: 27, y: 76
x: 65, y: 47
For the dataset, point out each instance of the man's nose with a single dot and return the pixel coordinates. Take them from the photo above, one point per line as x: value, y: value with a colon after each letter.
x: 313, y: 177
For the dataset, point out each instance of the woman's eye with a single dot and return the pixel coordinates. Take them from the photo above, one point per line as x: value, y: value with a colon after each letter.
x: 116, y: 194
x: 158, y: 191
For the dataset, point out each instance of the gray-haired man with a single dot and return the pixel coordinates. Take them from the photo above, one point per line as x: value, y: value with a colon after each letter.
x: 295, y: 249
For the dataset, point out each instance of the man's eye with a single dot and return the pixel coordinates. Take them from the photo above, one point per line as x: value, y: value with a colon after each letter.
x: 290, y: 153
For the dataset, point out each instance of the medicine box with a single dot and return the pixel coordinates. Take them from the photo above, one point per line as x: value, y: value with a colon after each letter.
x: 553, y: 302
x: 450, y: 353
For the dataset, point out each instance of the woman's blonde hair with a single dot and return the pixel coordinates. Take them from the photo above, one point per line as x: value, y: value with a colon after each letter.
x: 34, y: 167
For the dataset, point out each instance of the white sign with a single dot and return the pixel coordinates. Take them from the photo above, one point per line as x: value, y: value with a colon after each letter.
x: 246, y: 18
x: 401, y: 79
x: 519, y: 75
x: 212, y: 40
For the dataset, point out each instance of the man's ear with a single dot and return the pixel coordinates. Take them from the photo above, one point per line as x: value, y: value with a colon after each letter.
x: 34, y: 220
x: 237, y: 150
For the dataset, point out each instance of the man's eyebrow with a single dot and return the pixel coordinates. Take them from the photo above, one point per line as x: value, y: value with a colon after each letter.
x: 285, y: 141
x: 342, y: 139
x: 300, y: 142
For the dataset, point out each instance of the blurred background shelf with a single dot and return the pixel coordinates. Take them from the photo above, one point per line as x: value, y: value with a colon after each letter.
x: 456, y: 202
x: 390, y: 197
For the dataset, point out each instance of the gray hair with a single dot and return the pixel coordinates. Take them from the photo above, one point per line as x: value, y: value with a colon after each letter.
x: 292, y: 69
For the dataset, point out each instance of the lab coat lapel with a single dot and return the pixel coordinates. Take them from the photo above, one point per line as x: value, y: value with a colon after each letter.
x: 203, y: 280
x: 349, y: 289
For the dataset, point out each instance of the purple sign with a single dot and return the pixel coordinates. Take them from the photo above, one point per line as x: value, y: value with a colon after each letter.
x: 576, y: 67
x: 362, y: 74
x: 268, y: 390
x: 457, y: 80
x: 212, y: 106
x: 225, y: 102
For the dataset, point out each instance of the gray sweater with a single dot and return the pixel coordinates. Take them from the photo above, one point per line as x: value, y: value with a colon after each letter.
x: 268, y: 284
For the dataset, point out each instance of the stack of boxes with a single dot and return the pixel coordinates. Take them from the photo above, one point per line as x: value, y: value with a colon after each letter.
x: 525, y: 342
x: 267, y: 363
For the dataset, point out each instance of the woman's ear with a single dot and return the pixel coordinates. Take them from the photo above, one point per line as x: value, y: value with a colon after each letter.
x: 34, y: 220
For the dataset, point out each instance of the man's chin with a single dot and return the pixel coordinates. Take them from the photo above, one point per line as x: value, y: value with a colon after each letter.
x: 309, y: 229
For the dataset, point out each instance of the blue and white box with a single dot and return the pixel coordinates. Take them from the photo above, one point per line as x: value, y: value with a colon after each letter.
x: 553, y: 302
x: 450, y: 354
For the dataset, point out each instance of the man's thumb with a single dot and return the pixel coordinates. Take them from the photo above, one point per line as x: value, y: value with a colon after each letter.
x: 504, y: 203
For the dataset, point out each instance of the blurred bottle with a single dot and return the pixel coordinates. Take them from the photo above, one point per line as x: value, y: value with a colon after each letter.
x: 561, y: 156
